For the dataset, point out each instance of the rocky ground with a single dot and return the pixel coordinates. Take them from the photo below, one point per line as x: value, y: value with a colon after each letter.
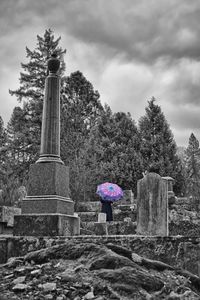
x: 90, y: 271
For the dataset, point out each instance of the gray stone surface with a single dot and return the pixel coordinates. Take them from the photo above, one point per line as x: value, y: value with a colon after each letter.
x: 48, y: 204
x: 3, y: 250
x: 49, y: 178
x: 46, y: 225
x: 7, y: 214
x: 100, y: 228
x: 89, y: 206
x: 50, y: 137
x: 125, y: 227
x: 152, y: 205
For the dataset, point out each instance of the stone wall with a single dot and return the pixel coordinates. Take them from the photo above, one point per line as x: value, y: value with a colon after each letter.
x: 179, y: 251
x: 183, y: 218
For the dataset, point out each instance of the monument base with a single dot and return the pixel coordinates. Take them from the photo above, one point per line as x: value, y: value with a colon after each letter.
x: 46, y: 225
x: 47, y: 204
x: 49, y: 178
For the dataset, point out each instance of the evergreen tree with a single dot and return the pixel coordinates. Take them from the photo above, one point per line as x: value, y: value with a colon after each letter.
x: 7, y: 185
x: 25, y: 137
x: 80, y: 109
x: 113, y: 152
x: 193, y: 169
x: 158, y: 145
x: 79, y: 112
x: 3, y: 154
x: 21, y: 145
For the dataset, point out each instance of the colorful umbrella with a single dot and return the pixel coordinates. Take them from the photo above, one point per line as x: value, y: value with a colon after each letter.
x: 109, y: 191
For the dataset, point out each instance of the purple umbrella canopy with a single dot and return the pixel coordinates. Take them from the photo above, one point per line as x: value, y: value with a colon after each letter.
x: 109, y: 191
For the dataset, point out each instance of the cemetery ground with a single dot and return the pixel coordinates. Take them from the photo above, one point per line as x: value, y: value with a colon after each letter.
x: 89, y: 270
x: 114, y: 266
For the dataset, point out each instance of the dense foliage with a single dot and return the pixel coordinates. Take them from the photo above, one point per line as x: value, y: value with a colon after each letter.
x: 193, y: 170
x: 158, y: 145
x: 113, y: 151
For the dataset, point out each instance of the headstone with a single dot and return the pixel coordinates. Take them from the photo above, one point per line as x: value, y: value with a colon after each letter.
x: 101, y: 218
x: 152, y: 205
x: 47, y: 210
x: 1, y: 197
x: 171, y: 195
x: 21, y: 195
x: 128, y: 197
x: 170, y: 181
x: 7, y: 214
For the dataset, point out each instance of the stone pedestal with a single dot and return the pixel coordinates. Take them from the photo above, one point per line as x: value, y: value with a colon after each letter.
x: 47, y: 210
x: 49, y: 178
x: 48, y: 190
x: 152, y: 205
x: 46, y: 225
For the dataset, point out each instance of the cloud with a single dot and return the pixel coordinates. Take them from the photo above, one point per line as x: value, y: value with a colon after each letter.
x: 140, y: 30
x: 130, y: 50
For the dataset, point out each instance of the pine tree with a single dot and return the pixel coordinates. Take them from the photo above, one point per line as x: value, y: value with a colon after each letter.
x: 25, y: 137
x: 21, y: 145
x: 193, y: 169
x: 158, y: 145
x: 32, y: 80
x: 113, y: 152
x: 3, y: 154
x: 80, y: 110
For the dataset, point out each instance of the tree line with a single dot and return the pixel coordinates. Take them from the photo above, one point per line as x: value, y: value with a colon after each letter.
x: 97, y: 144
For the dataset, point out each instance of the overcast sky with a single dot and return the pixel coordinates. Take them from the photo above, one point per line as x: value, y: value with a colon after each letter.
x: 130, y: 50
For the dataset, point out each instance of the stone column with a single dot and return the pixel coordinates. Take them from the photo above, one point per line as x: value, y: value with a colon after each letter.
x: 47, y: 210
x: 152, y: 205
x: 50, y: 137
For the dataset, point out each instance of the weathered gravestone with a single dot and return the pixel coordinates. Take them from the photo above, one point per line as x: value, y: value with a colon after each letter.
x: 47, y: 210
x: 171, y: 195
x: 7, y: 214
x: 128, y: 197
x: 152, y: 205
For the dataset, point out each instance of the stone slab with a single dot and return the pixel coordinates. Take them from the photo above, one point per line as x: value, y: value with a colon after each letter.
x: 110, y: 228
x: 152, y: 205
x: 3, y: 250
x: 101, y: 218
x: 100, y: 228
x: 89, y: 206
x: 118, y: 215
x: 4, y: 229
x: 46, y: 225
x: 50, y: 178
x: 7, y: 214
x: 49, y: 204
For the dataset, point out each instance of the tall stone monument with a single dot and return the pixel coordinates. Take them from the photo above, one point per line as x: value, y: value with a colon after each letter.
x: 152, y: 205
x: 47, y: 210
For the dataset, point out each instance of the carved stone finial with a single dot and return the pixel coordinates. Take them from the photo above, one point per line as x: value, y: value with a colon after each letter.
x: 53, y: 64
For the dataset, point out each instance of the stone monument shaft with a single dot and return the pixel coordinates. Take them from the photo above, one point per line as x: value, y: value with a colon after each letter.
x: 50, y: 137
x: 47, y: 209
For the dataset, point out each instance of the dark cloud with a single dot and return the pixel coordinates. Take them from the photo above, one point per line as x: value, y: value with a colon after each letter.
x: 140, y: 29
x: 130, y: 50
